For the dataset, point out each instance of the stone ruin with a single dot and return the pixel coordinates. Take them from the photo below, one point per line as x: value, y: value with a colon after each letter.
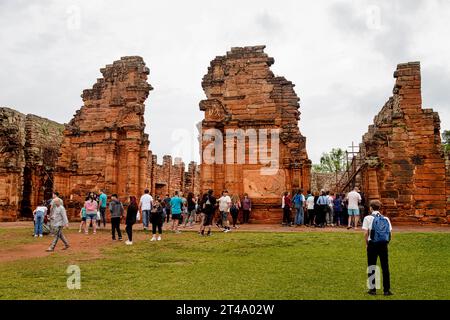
x: 167, y: 178
x: 104, y: 146
x: 29, y: 147
x: 401, y: 161
x: 243, y: 93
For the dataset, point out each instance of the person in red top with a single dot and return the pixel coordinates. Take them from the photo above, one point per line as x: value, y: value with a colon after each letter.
x: 286, y: 204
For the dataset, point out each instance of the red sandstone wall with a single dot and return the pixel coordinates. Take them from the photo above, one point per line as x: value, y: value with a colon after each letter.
x: 12, y: 162
x: 242, y: 92
x: 104, y: 144
x: 448, y: 186
x: 405, y: 167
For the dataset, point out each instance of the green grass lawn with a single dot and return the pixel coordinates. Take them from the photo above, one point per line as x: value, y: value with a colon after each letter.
x: 239, y: 265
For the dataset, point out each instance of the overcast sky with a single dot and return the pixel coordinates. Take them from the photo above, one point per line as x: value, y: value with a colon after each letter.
x: 340, y: 54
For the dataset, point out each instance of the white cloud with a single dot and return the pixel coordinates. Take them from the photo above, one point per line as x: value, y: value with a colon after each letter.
x: 342, y: 66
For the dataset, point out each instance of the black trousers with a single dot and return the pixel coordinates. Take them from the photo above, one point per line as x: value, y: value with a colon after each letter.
x: 157, y: 225
x: 234, y: 215
x: 320, y: 215
x: 375, y: 250
x: 246, y: 216
x: 311, y: 216
x: 129, y: 230
x: 286, y: 215
x: 102, y: 217
x: 115, y: 225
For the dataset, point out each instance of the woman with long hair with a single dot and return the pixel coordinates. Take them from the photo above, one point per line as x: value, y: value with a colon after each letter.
x: 234, y: 210
x: 131, y: 218
x: 91, y: 207
x: 156, y: 219
x: 286, y: 206
x: 247, y: 208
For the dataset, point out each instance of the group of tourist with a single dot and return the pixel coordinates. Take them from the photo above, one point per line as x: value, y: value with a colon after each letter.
x: 181, y: 211
x: 226, y: 212
x: 323, y: 209
x: 310, y: 209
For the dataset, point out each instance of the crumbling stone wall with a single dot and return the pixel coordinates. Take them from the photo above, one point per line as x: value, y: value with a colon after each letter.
x: 447, y: 165
x: 29, y: 148
x: 404, y: 163
x: 43, y: 140
x: 192, y: 179
x: 324, y: 181
x: 168, y: 177
x: 105, y: 146
x: 243, y: 93
x: 12, y: 162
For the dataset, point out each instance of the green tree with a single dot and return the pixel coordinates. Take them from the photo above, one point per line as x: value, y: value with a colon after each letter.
x: 446, y: 141
x: 333, y: 161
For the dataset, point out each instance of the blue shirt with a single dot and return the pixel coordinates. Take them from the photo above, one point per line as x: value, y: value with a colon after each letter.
x: 176, y: 203
x: 298, y: 200
x: 103, y: 198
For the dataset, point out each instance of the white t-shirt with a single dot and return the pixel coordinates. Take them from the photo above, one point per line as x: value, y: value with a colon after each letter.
x: 368, y: 221
x: 146, y: 202
x: 224, y: 203
x: 42, y: 209
x: 353, y: 200
x: 310, y: 202
x: 330, y: 201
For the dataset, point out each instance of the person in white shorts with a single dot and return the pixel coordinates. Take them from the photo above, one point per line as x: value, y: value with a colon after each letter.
x: 354, y: 198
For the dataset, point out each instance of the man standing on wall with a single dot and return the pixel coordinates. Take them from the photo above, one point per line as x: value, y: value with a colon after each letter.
x: 145, y: 207
x: 103, y: 199
x: 354, y: 198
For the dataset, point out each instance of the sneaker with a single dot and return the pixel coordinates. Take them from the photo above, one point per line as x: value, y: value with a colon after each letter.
x: 50, y: 250
x: 372, y: 292
x: 128, y: 243
x: 40, y: 236
x: 66, y: 247
x: 178, y: 232
x: 226, y: 230
x: 159, y: 238
x: 388, y: 293
x: 153, y: 239
x: 79, y: 231
x: 120, y: 239
x: 35, y: 235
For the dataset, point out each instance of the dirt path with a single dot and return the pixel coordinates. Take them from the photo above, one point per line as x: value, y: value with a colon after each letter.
x: 91, y: 245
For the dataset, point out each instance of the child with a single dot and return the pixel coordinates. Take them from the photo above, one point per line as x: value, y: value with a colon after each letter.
x: 39, y: 215
x: 83, y: 219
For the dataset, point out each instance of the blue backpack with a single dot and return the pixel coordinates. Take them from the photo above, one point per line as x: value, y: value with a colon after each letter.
x: 380, y: 232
